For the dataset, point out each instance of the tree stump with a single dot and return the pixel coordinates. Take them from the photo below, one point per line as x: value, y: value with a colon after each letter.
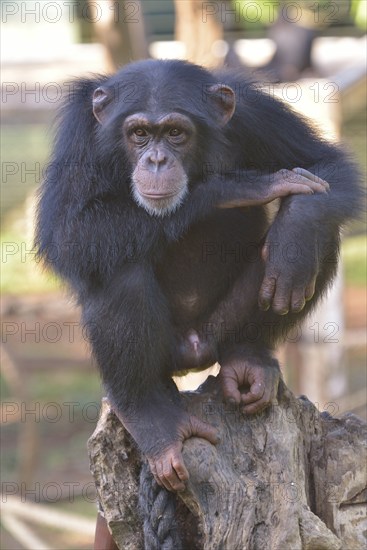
x: 287, y: 479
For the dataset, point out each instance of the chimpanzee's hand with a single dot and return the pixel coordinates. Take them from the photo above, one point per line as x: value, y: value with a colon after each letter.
x: 168, y: 466
x: 291, y: 269
x: 248, y: 383
x: 281, y: 184
x: 296, y: 182
x: 291, y: 262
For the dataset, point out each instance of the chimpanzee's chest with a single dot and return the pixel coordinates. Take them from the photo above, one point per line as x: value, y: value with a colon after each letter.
x: 197, y: 271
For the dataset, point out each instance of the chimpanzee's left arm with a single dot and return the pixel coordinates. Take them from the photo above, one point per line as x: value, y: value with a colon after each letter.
x: 304, y: 237
x: 250, y: 188
x: 305, y: 234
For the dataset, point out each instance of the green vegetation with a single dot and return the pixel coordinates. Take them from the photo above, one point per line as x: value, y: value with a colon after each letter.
x: 263, y: 13
x: 354, y: 254
x: 359, y: 12
x: 20, y: 273
x: 354, y: 135
x: 24, y: 151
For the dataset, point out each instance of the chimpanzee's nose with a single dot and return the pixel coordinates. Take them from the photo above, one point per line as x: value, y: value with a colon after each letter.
x: 157, y: 159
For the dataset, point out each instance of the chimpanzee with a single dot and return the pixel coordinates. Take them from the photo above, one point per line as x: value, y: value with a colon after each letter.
x: 153, y: 211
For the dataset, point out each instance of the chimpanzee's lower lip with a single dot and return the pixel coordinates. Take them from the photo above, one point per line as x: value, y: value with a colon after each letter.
x: 158, y: 196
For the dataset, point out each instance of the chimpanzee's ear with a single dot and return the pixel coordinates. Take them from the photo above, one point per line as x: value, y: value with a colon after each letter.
x: 101, y: 98
x: 224, y: 101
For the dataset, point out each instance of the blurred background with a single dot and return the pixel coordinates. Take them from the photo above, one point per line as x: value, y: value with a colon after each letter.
x: 310, y: 54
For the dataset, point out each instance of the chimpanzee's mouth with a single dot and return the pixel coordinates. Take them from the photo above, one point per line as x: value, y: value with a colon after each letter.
x: 158, y: 196
x: 160, y: 204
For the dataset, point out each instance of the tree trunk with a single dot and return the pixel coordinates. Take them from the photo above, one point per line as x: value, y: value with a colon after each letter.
x: 199, y: 28
x: 289, y: 478
x: 119, y: 26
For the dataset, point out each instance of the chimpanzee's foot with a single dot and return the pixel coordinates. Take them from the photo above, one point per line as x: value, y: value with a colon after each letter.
x: 249, y: 382
x: 168, y: 466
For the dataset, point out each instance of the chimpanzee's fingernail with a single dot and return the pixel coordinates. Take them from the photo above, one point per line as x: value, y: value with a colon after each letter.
x: 231, y: 400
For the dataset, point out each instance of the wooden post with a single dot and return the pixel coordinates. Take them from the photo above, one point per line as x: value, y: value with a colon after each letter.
x: 199, y: 28
x: 119, y: 26
x: 289, y: 478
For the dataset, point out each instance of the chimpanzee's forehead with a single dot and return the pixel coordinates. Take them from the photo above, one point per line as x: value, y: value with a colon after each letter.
x: 163, y: 72
x: 161, y: 86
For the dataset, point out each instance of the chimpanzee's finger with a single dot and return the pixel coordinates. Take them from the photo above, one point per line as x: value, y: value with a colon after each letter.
x: 180, y: 468
x: 160, y: 478
x: 305, y: 186
x: 229, y: 383
x: 298, y: 300
x: 294, y: 188
x: 266, y: 293
x: 168, y: 476
x: 202, y: 429
x: 281, y: 300
x: 310, y: 289
x: 256, y: 392
x: 312, y: 177
x: 257, y: 406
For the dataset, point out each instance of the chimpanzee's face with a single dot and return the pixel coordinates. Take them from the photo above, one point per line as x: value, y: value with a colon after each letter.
x: 160, y: 147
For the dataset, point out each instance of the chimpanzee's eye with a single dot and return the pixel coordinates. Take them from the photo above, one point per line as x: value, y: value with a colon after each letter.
x: 175, y: 132
x: 140, y: 132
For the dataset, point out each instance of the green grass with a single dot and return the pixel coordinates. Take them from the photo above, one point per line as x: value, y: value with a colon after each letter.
x: 24, y: 151
x: 354, y: 255
x: 20, y: 273
x: 79, y: 386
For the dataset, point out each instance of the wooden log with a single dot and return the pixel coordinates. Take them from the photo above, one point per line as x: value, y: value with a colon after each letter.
x: 289, y: 478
